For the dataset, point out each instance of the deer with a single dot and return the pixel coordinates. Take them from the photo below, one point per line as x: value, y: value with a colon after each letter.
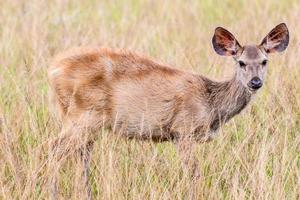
x: 136, y: 97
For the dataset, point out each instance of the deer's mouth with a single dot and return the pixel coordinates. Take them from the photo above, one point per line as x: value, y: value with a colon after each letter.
x: 252, y: 90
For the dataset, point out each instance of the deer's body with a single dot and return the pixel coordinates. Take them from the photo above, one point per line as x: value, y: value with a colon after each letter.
x: 137, y: 97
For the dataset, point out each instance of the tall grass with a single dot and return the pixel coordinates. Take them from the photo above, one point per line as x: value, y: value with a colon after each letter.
x: 256, y: 156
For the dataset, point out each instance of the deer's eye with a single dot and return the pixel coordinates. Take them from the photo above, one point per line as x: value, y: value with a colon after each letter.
x: 242, y: 64
x: 264, y: 62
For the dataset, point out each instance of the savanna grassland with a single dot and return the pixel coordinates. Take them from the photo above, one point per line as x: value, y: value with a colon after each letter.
x: 257, y: 154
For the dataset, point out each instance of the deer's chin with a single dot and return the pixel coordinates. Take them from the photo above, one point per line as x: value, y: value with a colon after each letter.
x: 251, y: 90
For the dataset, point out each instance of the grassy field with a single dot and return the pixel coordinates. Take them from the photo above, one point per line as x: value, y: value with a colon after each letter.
x: 256, y: 156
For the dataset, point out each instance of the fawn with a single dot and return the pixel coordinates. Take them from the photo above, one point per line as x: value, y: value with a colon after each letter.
x: 137, y: 97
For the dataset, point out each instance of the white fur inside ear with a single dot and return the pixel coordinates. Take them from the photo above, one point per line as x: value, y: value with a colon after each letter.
x: 269, y: 44
x: 234, y: 47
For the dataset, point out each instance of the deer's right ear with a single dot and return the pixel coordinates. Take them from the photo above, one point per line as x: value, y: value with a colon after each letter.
x: 225, y: 43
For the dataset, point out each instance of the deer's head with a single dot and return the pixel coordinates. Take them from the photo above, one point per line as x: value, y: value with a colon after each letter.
x: 251, y: 60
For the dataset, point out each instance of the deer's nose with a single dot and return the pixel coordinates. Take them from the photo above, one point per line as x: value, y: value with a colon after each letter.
x: 255, y: 83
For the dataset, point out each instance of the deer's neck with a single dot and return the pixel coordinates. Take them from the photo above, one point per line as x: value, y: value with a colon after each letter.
x: 227, y: 99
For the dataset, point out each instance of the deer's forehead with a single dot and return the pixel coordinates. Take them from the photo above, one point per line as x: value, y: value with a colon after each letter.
x: 252, y: 53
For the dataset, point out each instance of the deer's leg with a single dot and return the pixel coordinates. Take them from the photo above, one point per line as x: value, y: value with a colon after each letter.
x: 58, y: 153
x: 83, y: 171
x: 75, y: 140
x: 186, y: 149
x: 72, y: 143
x: 53, y: 185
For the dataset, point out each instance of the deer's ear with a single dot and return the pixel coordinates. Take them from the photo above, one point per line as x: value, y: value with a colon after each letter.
x: 277, y: 40
x: 225, y: 43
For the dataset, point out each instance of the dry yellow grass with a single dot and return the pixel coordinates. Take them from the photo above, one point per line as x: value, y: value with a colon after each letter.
x: 256, y: 156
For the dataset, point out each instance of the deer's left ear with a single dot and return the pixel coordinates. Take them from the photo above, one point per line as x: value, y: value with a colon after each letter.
x: 277, y: 40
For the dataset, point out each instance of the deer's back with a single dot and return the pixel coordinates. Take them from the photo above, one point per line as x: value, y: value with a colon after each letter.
x: 131, y: 92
